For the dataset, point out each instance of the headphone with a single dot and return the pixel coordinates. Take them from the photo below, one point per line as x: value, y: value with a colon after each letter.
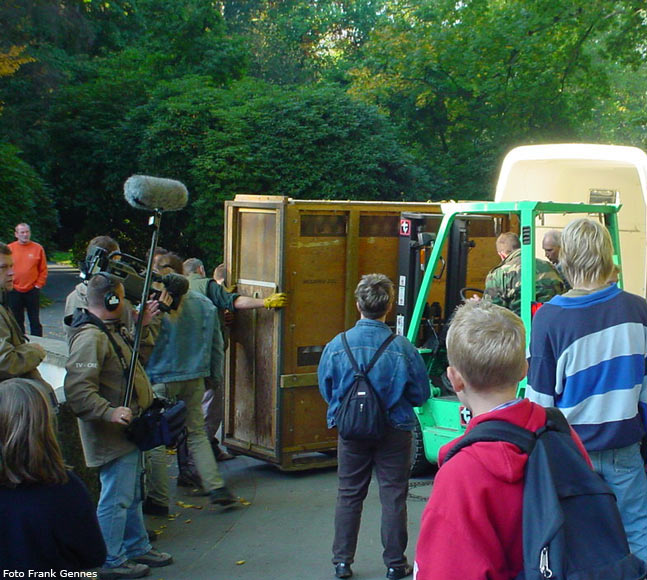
x: 111, y: 300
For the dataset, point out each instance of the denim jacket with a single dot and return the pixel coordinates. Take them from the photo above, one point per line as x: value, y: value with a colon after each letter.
x: 399, y: 376
x: 183, y: 348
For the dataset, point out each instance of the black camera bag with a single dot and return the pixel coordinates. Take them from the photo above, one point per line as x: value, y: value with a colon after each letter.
x: 163, y: 423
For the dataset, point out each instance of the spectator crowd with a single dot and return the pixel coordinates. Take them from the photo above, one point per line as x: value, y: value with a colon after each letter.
x: 588, y: 347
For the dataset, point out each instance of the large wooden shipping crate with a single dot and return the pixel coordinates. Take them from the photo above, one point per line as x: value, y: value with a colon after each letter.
x: 316, y: 251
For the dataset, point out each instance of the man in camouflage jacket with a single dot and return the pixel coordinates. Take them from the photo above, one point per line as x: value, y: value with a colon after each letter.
x: 503, y: 282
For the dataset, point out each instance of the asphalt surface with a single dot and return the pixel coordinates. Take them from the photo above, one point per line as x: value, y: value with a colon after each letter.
x: 61, y: 280
x: 282, y: 526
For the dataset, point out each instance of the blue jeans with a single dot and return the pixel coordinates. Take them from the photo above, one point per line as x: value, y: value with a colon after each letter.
x: 120, y: 509
x: 624, y: 471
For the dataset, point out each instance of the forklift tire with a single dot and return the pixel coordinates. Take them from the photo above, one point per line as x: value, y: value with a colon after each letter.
x: 419, y: 463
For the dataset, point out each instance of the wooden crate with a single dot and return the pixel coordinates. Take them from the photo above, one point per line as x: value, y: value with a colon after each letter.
x: 316, y: 251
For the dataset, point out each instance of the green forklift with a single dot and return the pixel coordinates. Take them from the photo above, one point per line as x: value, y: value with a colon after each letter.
x: 438, y: 254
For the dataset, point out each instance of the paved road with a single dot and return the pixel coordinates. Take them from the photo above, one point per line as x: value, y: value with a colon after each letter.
x: 284, y: 533
x: 281, y: 529
x: 60, y: 282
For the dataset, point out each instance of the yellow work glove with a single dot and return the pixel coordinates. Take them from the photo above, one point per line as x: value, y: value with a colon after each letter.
x: 278, y: 300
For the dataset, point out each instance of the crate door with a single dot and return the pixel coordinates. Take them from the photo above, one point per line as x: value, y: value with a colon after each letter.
x: 253, y: 358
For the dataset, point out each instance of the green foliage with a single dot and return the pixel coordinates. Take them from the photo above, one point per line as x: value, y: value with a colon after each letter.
x: 297, y: 42
x: 60, y: 257
x: 254, y: 138
x: 24, y: 198
x: 248, y: 96
x: 88, y: 141
x: 469, y: 80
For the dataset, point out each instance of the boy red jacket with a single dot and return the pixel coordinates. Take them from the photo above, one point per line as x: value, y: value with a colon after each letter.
x: 471, y: 525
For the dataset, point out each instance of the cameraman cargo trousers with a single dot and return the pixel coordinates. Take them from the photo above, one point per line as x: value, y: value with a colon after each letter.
x: 191, y: 392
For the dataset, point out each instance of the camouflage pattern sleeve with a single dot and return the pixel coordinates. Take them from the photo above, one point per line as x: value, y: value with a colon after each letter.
x: 503, y: 285
x: 548, y: 282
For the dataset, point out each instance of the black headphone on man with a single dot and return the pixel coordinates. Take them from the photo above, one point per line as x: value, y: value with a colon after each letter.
x: 111, y: 299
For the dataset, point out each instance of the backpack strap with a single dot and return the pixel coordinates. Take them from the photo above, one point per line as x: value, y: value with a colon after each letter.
x: 376, y: 356
x: 96, y: 321
x: 556, y: 421
x: 525, y: 439
x: 493, y: 431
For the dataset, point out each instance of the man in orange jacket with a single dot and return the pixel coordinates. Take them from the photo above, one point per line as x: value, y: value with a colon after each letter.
x: 30, y: 274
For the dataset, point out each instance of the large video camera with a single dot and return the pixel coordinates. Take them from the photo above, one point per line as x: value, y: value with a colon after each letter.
x: 131, y: 272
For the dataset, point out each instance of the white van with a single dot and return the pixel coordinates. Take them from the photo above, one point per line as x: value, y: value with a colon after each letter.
x: 588, y: 174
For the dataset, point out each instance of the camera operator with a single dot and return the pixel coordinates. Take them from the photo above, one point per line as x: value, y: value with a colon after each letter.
x: 95, y: 384
x: 78, y: 297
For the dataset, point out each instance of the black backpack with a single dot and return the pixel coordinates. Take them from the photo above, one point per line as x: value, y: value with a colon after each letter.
x: 361, y: 414
x: 571, y: 524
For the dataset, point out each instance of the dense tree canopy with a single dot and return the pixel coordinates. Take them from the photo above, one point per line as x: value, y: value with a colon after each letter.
x: 24, y: 198
x: 348, y: 99
x: 469, y: 79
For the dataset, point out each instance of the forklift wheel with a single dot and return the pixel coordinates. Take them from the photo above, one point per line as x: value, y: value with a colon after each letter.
x: 419, y: 463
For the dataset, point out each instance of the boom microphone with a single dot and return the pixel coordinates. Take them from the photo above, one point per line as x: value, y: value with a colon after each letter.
x: 155, y: 193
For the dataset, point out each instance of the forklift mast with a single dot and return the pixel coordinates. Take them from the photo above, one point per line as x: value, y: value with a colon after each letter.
x: 416, y: 241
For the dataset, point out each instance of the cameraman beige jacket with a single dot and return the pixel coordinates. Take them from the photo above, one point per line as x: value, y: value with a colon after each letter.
x: 95, y: 385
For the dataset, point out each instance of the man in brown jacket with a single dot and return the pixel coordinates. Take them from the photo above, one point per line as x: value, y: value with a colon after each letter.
x: 18, y: 358
x: 100, y: 353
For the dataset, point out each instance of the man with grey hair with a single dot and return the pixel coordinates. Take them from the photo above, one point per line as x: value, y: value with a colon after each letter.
x: 400, y: 379
x: 587, y: 357
x: 552, y: 244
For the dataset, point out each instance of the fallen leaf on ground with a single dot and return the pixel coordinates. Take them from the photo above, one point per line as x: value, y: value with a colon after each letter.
x: 189, y: 505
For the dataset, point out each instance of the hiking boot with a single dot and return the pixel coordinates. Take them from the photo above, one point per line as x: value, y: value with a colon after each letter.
x: 128, y: 569
x: 222, y: 496
x: 150, y: 508
x: 154, y: 558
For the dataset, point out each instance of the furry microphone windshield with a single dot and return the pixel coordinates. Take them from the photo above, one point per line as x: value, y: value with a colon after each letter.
x: 155, y: 193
